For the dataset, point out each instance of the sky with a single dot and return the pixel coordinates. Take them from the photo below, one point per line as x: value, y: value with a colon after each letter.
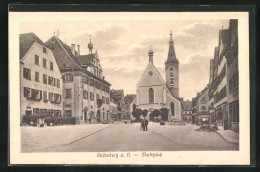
x: 123, y: 46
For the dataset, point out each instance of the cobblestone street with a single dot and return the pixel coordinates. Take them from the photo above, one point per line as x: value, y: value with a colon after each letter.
x: 120, y: 137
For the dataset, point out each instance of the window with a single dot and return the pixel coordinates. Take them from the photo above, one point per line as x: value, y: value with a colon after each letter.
x: 107, y: 100
x: 36, y: 111
x: 51, y: 66
x: 171, y: 83
x: 94, y: 71
x: 103, y: 99
x: 32, y: 94
x: 91, y: 96
x: 97, y: 97
x: 51, y: 97
x: 91, y: 82
x: 36, y: 60
x: 203, y: 100
x: 67, y: 77
x: 103, y: 88
x: 151, y: 95
x: 51, y: 81
x: 44, y: 63
x: 27, y: 73
x: 58, y: 83
x: 67, y: 113
x: 45, y: 96
x: 68, y: 93
x: 44, y: 78
x: 85, y: 94
x: 37, y: 75
x: 44, y: 50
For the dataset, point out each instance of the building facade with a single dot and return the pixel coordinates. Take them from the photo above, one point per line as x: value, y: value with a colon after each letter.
x: 40, y: 79
x: 154, y: 93
x: 86, y: 93
x: 200, y: 105
x: 223, y: 90
x: 118, y: 97
x: 187, y: 111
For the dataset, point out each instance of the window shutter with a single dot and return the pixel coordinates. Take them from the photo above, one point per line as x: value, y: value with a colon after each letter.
x: 25, y: 92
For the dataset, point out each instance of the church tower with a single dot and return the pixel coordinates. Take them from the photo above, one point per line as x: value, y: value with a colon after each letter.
x: 172, y: 70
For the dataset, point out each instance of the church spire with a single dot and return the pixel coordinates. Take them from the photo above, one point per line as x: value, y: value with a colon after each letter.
x: 171, y: 53
x: 150, y: 53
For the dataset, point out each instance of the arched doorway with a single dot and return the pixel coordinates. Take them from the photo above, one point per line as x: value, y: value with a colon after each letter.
x: 172, y: 109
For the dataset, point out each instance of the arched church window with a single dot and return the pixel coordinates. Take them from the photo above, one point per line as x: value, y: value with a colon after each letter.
x: 151, y: 95
x: 172, y: 109
x: 171, y: 69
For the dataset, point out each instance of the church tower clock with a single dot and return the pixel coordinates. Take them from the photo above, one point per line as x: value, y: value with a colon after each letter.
x: 172, y: 70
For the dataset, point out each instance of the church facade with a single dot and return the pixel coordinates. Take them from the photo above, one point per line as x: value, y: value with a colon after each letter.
x: 154, y: 93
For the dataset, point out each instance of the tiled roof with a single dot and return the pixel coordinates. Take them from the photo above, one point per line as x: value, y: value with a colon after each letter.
x: 26, y: 41
x: 65, y: 59
x: 86, y: 59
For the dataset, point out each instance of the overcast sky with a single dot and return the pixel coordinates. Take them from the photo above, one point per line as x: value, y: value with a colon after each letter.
x: 123, y: 47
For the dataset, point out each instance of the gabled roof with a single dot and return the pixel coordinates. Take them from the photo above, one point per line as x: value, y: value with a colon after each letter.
x: 63, y: 55
x: 86, y: 59
x: 155, y: 79
x: 26, y: 41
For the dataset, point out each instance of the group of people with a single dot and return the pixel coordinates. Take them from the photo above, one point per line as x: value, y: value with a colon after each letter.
x: 144, y: 124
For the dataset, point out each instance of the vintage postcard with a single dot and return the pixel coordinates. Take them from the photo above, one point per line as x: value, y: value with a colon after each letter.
x: 133, y: 88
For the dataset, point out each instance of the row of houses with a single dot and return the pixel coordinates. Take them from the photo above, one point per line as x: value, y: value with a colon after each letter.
x: 219, y: 101
x: 56, y: 80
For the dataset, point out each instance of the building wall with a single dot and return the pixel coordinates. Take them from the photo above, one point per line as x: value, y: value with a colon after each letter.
x: 80, y: 105
x: 28, y: 61
x: 143, y: 95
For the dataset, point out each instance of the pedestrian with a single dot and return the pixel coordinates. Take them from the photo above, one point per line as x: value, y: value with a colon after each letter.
x: 131, y: 120
x: 89, y: 120
x: 145, y: 124
x: 193, y: 119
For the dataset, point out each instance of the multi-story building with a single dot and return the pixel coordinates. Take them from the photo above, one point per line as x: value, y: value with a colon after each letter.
x: 233, y: 77
x: 223, y: 90
x: 118, y: 97
x: 187, y: 111
x: 200, y: 104
x: 128, y: 99
x: 85, y: 90
x: 40, y: 79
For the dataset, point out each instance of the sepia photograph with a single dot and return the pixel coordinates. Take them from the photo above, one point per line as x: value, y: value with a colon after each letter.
x: 129, y: 85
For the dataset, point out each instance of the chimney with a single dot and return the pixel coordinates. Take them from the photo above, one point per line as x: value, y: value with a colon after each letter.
x: 78, y: 49
x: 73, y: 49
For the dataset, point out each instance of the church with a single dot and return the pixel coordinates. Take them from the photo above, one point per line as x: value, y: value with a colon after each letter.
x: 154, y: 93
